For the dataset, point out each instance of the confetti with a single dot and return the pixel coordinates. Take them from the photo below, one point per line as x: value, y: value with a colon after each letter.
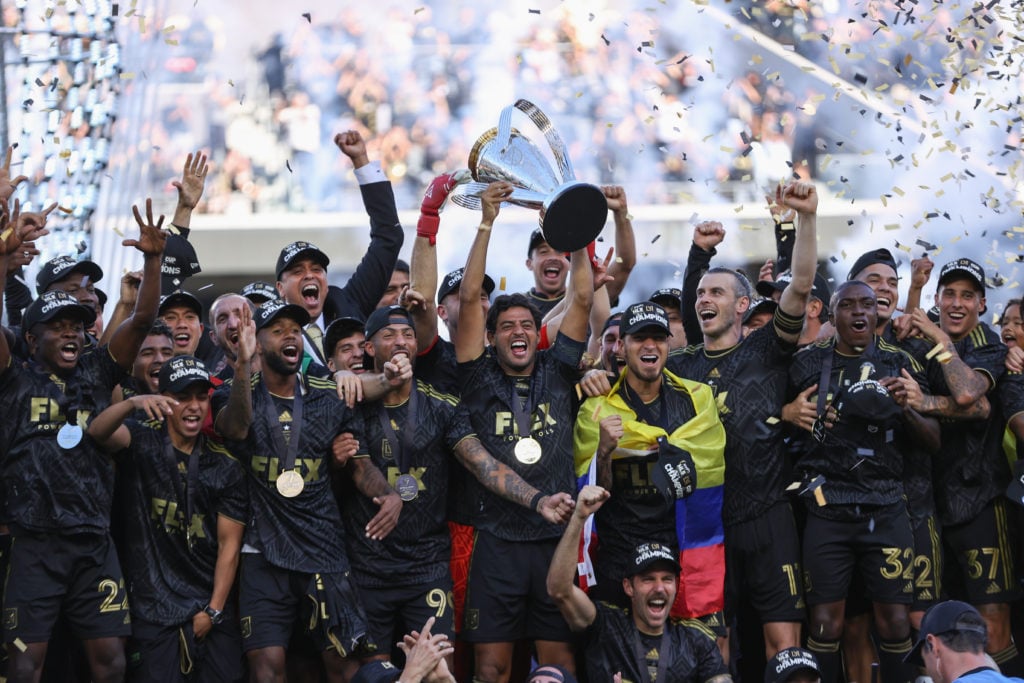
x: 308, y: 17
x: 501, y: 284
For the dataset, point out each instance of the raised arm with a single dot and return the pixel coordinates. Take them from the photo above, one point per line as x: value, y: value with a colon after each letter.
x: 127, y: 340
x: 10, y: 242
x: 706, y: 236
x: 802, y: 198
x: 235, y: 418
x: 423, y: 264
x: 367, y: 284
x: 582, y: 283
x: 625, y: 242
x: 576, y: 607
x: 470, y: 343
x: 190, y: 190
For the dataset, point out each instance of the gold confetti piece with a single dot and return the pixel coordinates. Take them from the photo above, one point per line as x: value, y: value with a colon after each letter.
x: 170, y: 41
x: 18, y: 643
x: 904, y: 247
x: 142, y: 23
x: 579, y: 392
x: 898, y: 191
x: 65, y: 154
x: 64, y: 209
x: 892, y: 226
x: 501, y: 284
x: 119, y: 233
x: 5, y: 234
x: 127, y: 76
x: 597, y: 410
x: 418, y: 10
x: 168, y: 29
x: 819, y: 497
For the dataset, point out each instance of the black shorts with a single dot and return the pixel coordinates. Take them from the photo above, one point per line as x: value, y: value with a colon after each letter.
x: 927, y: 563
x: 272, y: 601
x: 394, y: 611
x: 979, y: 557
x: 74, y: 575
x: 879, y: 546
x: 762, y: 565
x: 171, y: 654
x: 507, y: 598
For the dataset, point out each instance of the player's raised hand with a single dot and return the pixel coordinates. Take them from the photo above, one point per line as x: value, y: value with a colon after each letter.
x: 193, y: 180
x: 152, y: 238
x: 801, y: 196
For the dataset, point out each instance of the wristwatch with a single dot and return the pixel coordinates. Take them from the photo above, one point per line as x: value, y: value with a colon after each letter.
x: 216, y: 615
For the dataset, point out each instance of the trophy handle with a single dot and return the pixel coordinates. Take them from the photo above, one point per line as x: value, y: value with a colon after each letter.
x: 545, y: 126
x: 467, y: 195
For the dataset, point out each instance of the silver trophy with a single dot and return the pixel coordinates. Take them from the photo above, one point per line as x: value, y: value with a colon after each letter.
x: 574, y: 212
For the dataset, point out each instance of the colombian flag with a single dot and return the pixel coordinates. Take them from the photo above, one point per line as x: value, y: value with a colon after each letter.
x: 699, y: 517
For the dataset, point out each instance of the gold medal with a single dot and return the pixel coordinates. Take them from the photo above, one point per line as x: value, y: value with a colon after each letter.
x: 290, y: 484
x: 528, y: 450
x: 407, y: 486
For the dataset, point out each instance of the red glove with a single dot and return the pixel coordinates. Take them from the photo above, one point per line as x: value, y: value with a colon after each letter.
x: 430, y: 208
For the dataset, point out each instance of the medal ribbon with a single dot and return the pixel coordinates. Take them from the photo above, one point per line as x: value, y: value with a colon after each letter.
x: 277, y: 432
x: 188, y: 495
x: 643, y: 410
x: 521, y: 413
x: 664, y: 654
x: 400, y: 448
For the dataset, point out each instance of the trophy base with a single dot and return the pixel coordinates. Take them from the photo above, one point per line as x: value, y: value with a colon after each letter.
x: 574, y: 216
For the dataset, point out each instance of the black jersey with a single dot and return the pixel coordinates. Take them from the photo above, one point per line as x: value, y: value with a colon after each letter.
x: 303, y: 533
x: 418, y: 549
x: 749, y: 381
x: 969, y: 469
x: 541, y: 302
x: 439, y: 368
x: 48, y: 488
x: 169, y: 560
x: 550, y: 398
x: 865, y: 467
x: 614, y: 645
x: 917, y: 460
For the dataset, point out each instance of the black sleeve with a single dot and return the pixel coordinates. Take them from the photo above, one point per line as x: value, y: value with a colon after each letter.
x: 17, y: 296
x: 364, y: 289
x: 697, y: 263
x: 784, y: 241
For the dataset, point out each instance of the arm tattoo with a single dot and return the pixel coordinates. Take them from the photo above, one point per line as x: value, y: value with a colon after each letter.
x: 496, y: 476
x: 369, y: 479
x: 945, y: 406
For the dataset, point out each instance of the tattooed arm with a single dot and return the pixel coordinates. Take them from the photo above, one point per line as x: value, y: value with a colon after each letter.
x: 370, y: 482
x: 502, y: 480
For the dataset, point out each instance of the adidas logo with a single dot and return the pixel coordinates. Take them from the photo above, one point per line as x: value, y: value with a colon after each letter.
x: 926, y: 595
x: 993, y: 588
x: 652, y: 654
x: 286, y: 416
x: 714, y: 373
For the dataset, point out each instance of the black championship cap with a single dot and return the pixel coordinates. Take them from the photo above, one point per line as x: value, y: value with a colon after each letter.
x: 385, y: 316
x: 646, y: 555
x: 339, y: 329
x: 819, y: 290
x: 963, y: 268
x: 59, y: 268
x: 56, y: 304
x: 642, y: 315
x: 453, y: 280
x: 946, y: 617
x: 270, y: 311
x: 297, y: 250
x: 759, y: 305
x: 181, y: 372
x: 377, y: 672
x: 614, y: 320
x: 668, y: 296
x: 180, y: 298
x: 786, y: 663
x: 870, y: 258
x: 178, y: 263
x: 259, y: 292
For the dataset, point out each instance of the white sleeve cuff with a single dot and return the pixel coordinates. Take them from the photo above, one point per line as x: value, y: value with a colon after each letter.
x: 370, y: 173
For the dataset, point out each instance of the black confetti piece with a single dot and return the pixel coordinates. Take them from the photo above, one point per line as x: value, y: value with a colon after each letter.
x: 308, y: 17
x: 924, y: 244
x: 288, y: 166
